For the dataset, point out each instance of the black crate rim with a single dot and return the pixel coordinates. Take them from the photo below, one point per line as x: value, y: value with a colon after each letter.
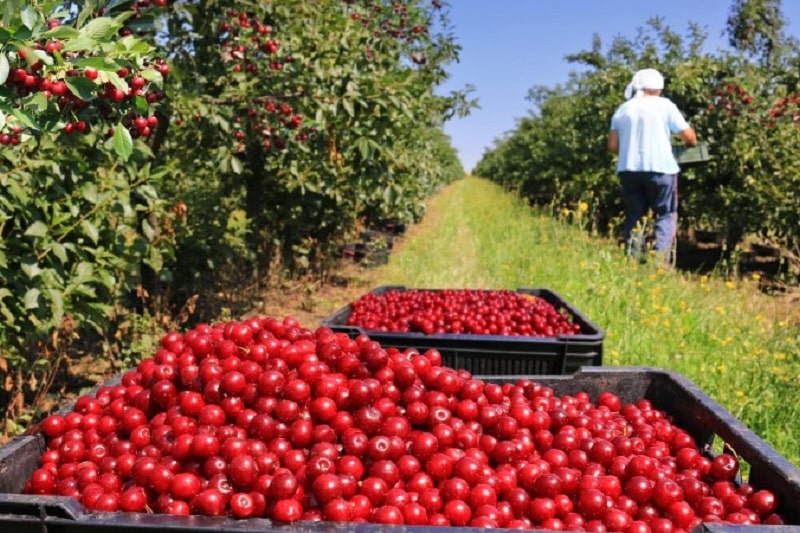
x: 36, y: 513
x: 493, y: 354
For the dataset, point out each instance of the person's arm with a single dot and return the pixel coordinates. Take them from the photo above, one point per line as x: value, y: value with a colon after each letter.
x: 679, y: 126
x: 688, y: 136
x: 613, y: 142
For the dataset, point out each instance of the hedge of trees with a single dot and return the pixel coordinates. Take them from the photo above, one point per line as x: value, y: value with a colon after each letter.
x: 154, y: 151
x: 743, y: 101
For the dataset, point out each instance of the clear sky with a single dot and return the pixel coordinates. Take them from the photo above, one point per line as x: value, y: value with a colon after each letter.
x: 510, y: 46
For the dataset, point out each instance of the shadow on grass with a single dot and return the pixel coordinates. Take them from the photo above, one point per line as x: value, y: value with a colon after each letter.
x: 708, y: 255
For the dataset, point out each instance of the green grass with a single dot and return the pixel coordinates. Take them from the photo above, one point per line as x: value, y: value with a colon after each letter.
x: 738, y: 345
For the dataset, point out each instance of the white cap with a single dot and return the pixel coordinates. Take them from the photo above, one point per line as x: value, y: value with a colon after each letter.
x: 648, y: 78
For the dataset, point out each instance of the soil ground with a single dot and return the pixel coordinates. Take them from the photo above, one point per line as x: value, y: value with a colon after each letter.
x: 311, y: 302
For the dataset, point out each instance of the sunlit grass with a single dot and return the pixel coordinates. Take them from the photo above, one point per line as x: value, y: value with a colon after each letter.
x: 736, y: 344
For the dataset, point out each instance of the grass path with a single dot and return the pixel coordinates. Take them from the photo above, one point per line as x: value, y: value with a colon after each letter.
x: 443, y: 250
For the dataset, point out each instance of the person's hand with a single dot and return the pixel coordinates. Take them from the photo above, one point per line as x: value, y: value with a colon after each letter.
x: 688, y: 136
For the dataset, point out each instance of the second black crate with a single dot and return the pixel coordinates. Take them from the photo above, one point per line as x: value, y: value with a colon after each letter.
x: 495, y: 354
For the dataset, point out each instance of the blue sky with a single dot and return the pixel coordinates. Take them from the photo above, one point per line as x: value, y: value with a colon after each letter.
x: 509, y: 46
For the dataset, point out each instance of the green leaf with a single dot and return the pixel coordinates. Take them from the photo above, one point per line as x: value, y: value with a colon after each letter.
x: 123, y: 143
x: 83, y: 88
x: 31, y: 270
x: 100, y: 28
x: 124, y: 16
x: 143, y: 148
x: 364, y: 148
x: 156, y: 260
x: 89, y: 193
x: 35, y: 56
x: 61, y: 32
x: 56, y: 304
x: 17, y: 191
x: 142, y: 48
x: 141, y: 105
x: 21, y: 33
x: 25, y: 118
x: 4, y: 68
x: 152, y: 75
x: 37, y: 229
x: 295, y: 172
x: 79, y: 44
x: 5, y: 35
x: 83, y: 271
x: 145, y: 23
x: 32, y: 298
x: 348, y: 106
x: 236, y: 165
x: 10, y: 318
x: 59, y: 251
x: 148, y: 230
x: 100, y: 63
x: 115, y: 80
x: 224, y: 165
x: 149, y: 192
x: 90, y: 231
x: 39, y: 102
x: 29, y: 16
x: 85, y: 13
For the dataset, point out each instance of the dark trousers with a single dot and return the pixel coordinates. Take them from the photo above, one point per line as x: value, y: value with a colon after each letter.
x: 650, y: 190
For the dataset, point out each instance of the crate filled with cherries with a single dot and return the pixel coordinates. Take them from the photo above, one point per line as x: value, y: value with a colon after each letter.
x: 249, y: 425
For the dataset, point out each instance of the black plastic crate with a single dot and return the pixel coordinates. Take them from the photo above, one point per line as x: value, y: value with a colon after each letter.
x: 706, y: 421
x: 495, y: 354
x: 688, y: 156
x: 392, y: 226
x: 692, y: 409
x: 375, y: 258
x: 377, y: 239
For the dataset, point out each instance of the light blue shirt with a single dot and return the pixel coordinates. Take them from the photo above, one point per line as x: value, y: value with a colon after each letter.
x: 645, y: 125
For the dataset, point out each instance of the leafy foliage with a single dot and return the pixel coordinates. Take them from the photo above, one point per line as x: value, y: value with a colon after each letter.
x: 157, y: 153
